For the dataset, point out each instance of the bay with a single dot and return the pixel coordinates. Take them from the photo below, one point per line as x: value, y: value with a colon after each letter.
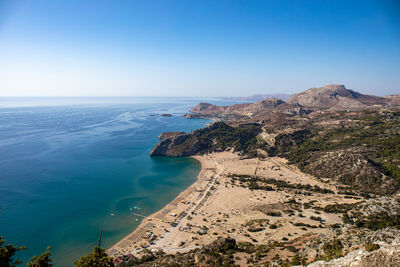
x: 70, y: 167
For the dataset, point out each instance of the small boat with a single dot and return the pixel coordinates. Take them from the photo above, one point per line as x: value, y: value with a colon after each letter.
x: 112, y: 214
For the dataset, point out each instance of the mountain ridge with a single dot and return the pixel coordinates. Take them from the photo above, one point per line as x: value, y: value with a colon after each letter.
x: 335, y: 97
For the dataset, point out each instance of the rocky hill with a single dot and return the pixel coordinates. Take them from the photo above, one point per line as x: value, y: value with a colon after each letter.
x: 264, y: 107
x: 258, y: 97
x: 216, y: 137
x: 336, y: 97
x: 331, y: 97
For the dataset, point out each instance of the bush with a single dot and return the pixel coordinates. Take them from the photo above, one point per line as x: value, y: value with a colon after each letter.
x: 379, y: 221
x: 333, y: 249
x: 7, y: 253
x: 371, y: 247
x: 338, y: 208
x: 316, y: 218
x: 42, y: 260
x: 274, y: 213
x: 98, y: 257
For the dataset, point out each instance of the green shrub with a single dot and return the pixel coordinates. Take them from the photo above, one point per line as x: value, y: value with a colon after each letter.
x: 371, y: 247
x: 333, y: 249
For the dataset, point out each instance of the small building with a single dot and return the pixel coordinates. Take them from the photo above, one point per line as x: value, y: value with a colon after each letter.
x: 202, y: 232
x: 130, y: 256
x: 149, y: 235
x: 118, y: 260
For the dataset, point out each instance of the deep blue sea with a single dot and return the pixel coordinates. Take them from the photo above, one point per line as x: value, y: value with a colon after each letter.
x: 70, y: 167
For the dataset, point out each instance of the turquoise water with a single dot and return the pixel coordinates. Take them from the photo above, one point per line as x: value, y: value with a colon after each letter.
x: 70, y: 167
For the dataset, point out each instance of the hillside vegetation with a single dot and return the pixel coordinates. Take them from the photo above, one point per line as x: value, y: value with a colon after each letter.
x: 363, y: 152
x: 216, y: 137
x: 346, y: 211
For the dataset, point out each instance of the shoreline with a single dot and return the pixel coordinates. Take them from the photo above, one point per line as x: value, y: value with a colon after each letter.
x: 120, y: 248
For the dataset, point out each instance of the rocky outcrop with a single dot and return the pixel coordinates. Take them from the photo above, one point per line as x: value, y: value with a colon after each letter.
x: 216, y: 137
x: 336, y: 97
x: 206, y: 108
x: 178, y: 144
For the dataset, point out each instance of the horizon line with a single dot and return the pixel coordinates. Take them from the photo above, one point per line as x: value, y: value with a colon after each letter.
x: 105, y: 96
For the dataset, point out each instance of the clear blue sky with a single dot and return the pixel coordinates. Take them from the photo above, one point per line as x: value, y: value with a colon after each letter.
x: 197, y: 48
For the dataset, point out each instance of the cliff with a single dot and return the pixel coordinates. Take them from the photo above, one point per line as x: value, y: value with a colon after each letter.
x: 179, y: 144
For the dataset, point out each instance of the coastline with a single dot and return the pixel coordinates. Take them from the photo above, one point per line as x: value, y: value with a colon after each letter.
x: 122, y: 246
x: 215, y: 206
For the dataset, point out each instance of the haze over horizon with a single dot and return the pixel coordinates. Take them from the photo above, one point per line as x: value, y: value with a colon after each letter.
x: 197, y: 48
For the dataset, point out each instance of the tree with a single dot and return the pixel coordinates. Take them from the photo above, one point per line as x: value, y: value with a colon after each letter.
x: 97, y: 258
x: 42, y: 260
x: 7, y: 252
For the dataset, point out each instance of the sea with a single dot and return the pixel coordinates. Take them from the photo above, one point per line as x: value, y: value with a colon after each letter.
x: 73, y: 167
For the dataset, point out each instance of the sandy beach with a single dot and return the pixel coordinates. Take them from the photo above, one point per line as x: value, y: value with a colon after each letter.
x: 217, y: 205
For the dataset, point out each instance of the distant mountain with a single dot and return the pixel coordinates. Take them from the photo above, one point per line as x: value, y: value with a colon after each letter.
x: 336, y: 97
x: 260, y: 108
x: 258, y: 97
